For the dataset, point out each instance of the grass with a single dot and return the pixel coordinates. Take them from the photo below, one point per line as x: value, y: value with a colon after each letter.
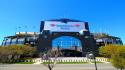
x: 72, y: 62
x: 18, y: 63
x: 47, y: 63
x: 66, y: 62
x: 97, y: 62
x: 24, y: 63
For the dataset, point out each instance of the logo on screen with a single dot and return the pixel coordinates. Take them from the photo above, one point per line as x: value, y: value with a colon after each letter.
x: 52, y: 25
x: 77, y: 25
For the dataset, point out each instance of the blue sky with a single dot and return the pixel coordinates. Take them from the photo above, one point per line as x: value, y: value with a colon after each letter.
x: 103, y: 15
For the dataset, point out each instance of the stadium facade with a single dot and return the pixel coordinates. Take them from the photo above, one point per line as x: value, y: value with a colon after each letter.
x: 62, y: 34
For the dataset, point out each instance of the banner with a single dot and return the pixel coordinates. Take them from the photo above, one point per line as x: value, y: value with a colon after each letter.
x: 63, y: 27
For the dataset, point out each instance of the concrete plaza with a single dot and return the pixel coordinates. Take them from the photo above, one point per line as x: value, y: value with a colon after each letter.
x: 101, y: 66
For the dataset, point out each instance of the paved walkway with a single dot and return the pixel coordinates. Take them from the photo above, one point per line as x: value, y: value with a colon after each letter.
x: 101, y: 66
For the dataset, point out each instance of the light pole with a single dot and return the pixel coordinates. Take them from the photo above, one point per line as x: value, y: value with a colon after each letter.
x: 92, y: 56
x: 95, y: 61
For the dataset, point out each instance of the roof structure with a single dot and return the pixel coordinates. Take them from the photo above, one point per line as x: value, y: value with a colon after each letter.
x: 65, y: 20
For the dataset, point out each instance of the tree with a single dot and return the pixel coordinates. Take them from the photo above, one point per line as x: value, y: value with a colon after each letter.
x: 28, y: 51
x: 16, y: 52
x: 51, y: 57
x: 118, y: 58
x: 108, y: 50
x: 5, y: 54
x: 116, y: 53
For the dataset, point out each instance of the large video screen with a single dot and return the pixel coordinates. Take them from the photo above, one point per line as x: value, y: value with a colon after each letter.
x: 63, y: 27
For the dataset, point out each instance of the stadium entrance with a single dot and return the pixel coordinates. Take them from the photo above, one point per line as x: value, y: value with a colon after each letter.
x: 67, y: 42
x: 65, y: 34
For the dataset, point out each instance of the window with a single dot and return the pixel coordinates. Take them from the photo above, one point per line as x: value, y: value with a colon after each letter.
x: 8, y: 41
x: 66, y: 42
x: 21, y: 41
x: 13, y: 41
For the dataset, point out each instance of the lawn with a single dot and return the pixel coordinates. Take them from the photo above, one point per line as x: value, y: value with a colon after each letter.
x: 24, y: 63
x: 18, y: 63
x: 97, y: 62
x: 66, y: 62
x: 72, y: 62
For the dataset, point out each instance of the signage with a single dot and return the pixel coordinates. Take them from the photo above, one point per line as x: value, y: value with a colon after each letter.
x: 24, y: 33
x: 56, y: 26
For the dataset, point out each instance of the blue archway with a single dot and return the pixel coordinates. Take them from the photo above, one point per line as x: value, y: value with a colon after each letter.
x: 66, y: 42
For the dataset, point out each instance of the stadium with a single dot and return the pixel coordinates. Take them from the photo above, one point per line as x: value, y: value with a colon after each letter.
x: 73, y: 37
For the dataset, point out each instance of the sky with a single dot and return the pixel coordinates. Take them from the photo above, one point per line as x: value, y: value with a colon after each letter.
x: 25, y: 15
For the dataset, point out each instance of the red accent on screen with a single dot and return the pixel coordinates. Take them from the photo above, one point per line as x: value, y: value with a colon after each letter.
x: 77, y: 25
x: 52, y: 25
